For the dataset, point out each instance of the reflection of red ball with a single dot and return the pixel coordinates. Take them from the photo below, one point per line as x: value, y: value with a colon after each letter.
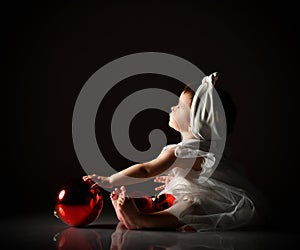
x: 79, y: 203
x: 78, y: 238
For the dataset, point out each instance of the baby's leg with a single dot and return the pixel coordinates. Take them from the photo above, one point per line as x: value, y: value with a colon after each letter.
x: 134, y: 219
x: 114, y: 198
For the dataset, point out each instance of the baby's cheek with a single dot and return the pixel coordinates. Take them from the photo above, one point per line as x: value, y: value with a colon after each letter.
x: 183, y: 121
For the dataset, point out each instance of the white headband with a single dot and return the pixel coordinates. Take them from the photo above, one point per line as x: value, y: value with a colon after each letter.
x: 205, y: 111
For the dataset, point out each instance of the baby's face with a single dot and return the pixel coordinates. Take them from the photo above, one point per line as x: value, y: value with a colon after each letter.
x: 180, y: 115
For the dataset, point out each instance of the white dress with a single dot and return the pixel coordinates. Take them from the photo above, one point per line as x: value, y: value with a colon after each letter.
x: 217, y: 203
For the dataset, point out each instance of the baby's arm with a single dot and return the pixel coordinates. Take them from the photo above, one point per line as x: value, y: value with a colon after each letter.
x: 139, y: 172
x: 152, y: 168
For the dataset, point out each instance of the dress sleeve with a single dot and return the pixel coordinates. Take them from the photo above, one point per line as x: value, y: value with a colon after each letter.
x: 165, y: 148
x: 191, y: 149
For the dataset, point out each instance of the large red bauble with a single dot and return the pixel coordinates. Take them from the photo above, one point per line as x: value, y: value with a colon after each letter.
x: 79, y: 203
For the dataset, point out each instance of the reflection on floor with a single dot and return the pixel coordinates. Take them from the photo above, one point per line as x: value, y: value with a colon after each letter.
x: 46, y: 232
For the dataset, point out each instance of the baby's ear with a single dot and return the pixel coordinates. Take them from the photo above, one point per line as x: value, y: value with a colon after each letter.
x: 214, y: 78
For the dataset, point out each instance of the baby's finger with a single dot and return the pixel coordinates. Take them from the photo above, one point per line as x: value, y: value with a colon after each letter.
x: 93, y: 176
x: 160, y: 179
x: 160, y: 187
x: 88, y: 180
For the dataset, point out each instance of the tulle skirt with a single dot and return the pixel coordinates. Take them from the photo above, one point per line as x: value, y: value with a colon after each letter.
x: 213, y: 205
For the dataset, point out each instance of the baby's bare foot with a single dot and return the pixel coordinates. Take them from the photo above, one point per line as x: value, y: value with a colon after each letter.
x: 114, y: 198
x: 128, y: 210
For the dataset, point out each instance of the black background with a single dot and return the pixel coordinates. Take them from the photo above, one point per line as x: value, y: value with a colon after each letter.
x: 51, y: 49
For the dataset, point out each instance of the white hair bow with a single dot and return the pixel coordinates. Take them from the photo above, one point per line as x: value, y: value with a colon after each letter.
x: 207, y: 115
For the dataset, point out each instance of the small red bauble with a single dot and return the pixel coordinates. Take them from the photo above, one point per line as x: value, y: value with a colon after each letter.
x: 154, y: 203
x: 79, y: 203
x: 145, y: 204
x: 163, y: 201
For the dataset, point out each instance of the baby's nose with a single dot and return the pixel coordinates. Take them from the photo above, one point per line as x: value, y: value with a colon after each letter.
x: 172, y: 108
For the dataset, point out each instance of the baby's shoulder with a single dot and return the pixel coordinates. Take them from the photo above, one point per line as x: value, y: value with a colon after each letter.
x: 168, y: 147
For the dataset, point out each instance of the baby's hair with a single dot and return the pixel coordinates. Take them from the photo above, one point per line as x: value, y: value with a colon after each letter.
x: 189, y: 90
x: 228, y: 105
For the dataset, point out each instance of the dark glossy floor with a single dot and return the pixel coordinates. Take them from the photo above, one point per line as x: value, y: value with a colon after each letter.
x: 48, y: 232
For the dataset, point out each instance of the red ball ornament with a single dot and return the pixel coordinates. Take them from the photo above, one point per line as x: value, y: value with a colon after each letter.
x: 79, y: 203
x: 163, y: 202
x: 152, y: 204
x: 145, y: 204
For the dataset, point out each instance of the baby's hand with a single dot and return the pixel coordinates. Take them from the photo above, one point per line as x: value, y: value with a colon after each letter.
x: 101, y: 181
x: 163, y: 179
